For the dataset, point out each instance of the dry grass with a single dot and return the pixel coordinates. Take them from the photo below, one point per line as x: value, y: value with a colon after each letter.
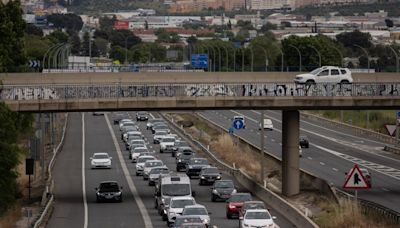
x: 348, y: 215
x: 9, y: 219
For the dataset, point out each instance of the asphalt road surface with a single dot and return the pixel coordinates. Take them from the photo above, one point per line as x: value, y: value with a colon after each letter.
x: 75, y: 203
x: 332, y: 152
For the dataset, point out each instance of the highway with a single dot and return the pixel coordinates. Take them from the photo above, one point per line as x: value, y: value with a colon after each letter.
x: 332, y: 152
x: 75, y: 203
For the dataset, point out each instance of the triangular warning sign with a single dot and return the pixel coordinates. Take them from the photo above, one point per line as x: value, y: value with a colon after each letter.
x: 391, y: 129
x: 355, y: 179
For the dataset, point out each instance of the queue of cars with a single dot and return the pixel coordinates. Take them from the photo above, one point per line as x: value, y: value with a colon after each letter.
x: 174, y: 197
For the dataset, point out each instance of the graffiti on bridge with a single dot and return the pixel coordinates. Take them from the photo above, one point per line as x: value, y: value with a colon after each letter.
x: 196, y: 90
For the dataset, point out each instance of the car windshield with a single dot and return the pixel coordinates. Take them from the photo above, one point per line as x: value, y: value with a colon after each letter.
x: 140, y: 142
x: 316, y: 71
x: 199, y: 162
x: 182, y: 143
x: 161, y: 133
x: 130, y: 128
x: 210, y: 170
x: 100, y: 156
x: 126, y: 124
x: 181, y: 203
x: 176, y: 189
x: 108, y: 187
x: 224, y: 184
x: 140, y: 150
x: 154, y: 164
x: 257, y: 215
x: 254, y: 206
x: 142, y: 113
x: 195, y: 211
x: 161, y: 127
x: 168, y: 140
x: 159, y: 170
x: 144, y: 159
x: 240, y: 198
x: 179, y: 221
x: 187, y: 155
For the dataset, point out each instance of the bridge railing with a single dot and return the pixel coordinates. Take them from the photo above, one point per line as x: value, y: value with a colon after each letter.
x: 70, y: 91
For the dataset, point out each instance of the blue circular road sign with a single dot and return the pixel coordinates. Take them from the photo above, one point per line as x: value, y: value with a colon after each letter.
x: 238, y: 124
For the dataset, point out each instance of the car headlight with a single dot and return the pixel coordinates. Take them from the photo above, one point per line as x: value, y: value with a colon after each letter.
x: 205, y: 221
x: 190, y: 167
x: 202, y: 177
x: 118, y: 193
x: 180, y: 160
x: 234, y: 191
x: 218, y: 177
x: 232, y: 206
x: 214, y: 191
x: 163, y: 201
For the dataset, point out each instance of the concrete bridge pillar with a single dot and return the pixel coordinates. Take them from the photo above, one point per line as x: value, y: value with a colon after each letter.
x: 290, y: 152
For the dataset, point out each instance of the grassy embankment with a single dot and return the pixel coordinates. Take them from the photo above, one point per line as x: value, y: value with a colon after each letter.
x: 326, y: 213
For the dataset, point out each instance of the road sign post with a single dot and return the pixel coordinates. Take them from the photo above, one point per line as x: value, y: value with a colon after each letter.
x: 397, y: 127
x: 355, y: 180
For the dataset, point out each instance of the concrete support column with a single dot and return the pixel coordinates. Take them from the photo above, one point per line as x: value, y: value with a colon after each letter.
x: 290, y: 152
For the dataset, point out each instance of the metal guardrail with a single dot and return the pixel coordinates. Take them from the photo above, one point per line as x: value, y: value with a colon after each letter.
x: 369, y: 207
x: 279, y: 204
x: 50, y: 180
x: 250, y: 89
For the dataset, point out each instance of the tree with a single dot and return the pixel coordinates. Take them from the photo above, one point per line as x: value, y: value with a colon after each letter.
x: 85, y: 44
x: 33, y: 30
x: 118, y: 38
x: 37, y: 47
x: 13, y: 125
x: 267, y: 27
x: 75, y: 44
x: 106, y: 23
x: 12, y: 28
x: 146, y: 25
x: 348, y: 39
x: 118, y: 53
x: 58, y: 37
x: 245, y: 25
x: 102, y: 46
x: 66, y: 21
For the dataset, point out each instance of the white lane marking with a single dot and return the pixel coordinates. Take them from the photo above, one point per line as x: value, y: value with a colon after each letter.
x: 273, y: 140
x: 376, y: 167
x: 309, y: 158
x: 85, y: 206
x: 280, y: 144
x: 334, y: 169
x: 132, y: 187
x: 152, y: 116
x: 321, y: 163
x: 386, y: 190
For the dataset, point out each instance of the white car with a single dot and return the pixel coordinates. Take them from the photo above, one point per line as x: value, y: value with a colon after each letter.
x: 135, y: 143
x: 140, y: 163
x: 126, y: 122
x: 155, y: 173
x: 198, y: 210
x: 257, y: 218
x: 100, y: 160
x: 148, y: 165
x: 128, y: 135
x: 176, y: 206
x: 325, y: 74
x: 135, y: 153
x: 267, y: 125
x: 167, y: 144
x: 158, y: 136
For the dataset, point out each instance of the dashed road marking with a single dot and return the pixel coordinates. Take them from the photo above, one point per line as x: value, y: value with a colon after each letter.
x: 386, y: 190
x: 334, y: 169
x: 321, y: 163
x: 85, y: 206
x: 309, y: 158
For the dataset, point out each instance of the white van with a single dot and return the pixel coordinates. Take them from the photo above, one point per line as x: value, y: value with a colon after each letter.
x: 267, y: 124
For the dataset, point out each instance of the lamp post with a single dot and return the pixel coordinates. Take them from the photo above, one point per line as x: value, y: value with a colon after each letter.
x: 47, y: 53
x: 318, y: 53
x: 219, y: 57
x: 126, y: 51
x: 266, y: 57
x: 365, y: 52
x: 227, y: 59
x: 243, y: 58
x: 298, y: 51
x: 234, y: 58
x: 252, y: 58
x: 340, y: 55
x: 397, y: 58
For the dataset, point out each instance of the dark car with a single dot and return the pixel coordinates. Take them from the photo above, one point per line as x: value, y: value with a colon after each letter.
x: 184, y: 158
x: 303, y: 141
x: 209, y: 175
x: 251, y: 205
x: 108, y: 191
x: 118, y: 117
x: 194, y: 166
x: 183, y: 149
x: 178, y: 144
x: 185, y: 219
x: 142, y: 116
x: 235, y: 203
x: 222, y: 189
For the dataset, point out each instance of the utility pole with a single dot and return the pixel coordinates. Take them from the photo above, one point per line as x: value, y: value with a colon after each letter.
x: 262, y: 178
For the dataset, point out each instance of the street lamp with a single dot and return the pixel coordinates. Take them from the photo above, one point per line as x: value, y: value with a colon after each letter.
x: 298, y: 51
x: 340, y: 55
x: 318, y: 53
x: 47, y: 53
x: 243, y: 58
x: 365, y: 52
x: 252, y: 58
x: 397, y: 58
x: 219, y: 57
x: 234, y: 58
x: 126, y: 50
x: 266, y: 57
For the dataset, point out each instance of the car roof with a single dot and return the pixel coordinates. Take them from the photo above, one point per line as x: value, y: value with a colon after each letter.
x: 241, y: 193
x: 155, y: 160
x: 182, y: 198
x: 109, y: 182
x: 147, y: 156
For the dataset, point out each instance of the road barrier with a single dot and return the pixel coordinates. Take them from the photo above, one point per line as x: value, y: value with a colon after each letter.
x: 50, y: 181
x: 279, y: 204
